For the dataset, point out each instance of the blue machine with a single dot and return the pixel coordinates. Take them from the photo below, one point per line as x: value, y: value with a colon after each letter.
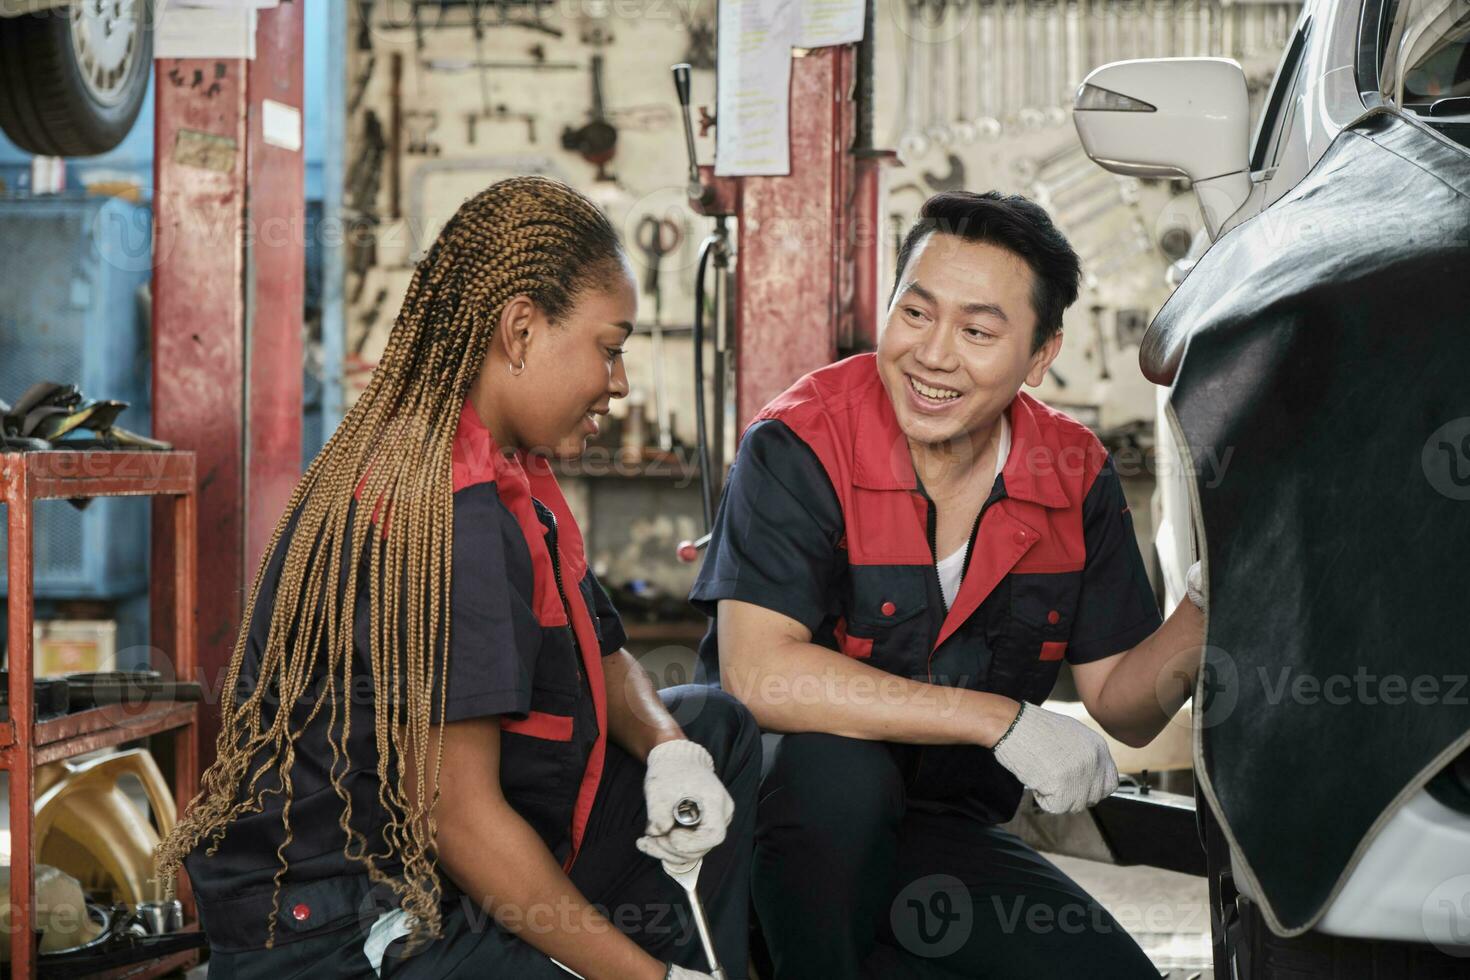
x: 72, y: 311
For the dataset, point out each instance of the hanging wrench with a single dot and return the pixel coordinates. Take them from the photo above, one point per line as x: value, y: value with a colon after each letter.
x: 1058, y: 105
x: 1076, y: 43
x: 992, y: 54
x: 939, y: 117
x: 963, y: 57
x: 1160, y: 39
x: 686, y: 814
x: 913, y: 143
x: 1032, y: 96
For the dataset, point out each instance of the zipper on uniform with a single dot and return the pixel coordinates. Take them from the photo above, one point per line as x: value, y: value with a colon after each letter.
x: 565, y: 606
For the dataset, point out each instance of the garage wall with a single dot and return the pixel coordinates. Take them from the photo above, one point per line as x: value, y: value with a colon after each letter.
x: 639, y: 40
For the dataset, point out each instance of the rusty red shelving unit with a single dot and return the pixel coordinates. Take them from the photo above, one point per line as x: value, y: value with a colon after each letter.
x: 24, y: 742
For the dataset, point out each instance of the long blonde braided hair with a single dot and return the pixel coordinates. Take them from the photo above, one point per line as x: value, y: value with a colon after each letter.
x: 523, y: 236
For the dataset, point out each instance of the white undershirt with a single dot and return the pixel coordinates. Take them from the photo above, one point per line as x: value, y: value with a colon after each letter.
x: 952, y: 568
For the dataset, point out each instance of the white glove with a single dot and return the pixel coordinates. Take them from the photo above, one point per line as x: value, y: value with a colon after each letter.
x: 1064, y: 763
x: 677, y: 972
x: 1194, y: 586
x: 683, y: 770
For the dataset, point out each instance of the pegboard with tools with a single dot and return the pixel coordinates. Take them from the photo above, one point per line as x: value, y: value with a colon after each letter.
x: 982, y: 96
x: 445, y: 99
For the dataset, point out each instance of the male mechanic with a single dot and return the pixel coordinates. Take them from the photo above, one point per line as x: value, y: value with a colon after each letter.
x: 907, y: 549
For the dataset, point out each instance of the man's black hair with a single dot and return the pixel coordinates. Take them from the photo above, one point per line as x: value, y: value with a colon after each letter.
x: 1016, y: 224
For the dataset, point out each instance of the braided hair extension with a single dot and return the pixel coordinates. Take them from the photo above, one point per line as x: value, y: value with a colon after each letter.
x: 527, y: 236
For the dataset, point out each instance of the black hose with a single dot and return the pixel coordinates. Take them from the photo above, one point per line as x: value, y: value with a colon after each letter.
x: 701, y: 427
x: 867, y: 57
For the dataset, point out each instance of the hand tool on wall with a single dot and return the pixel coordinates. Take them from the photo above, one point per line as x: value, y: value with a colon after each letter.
x: 952, y: 181
x: 657, y: 237
x: 715, y: 248
x: 1067, y: 184
x: 455, y: 66
x: 686, y: 814
x: 596, y: 141
x: 1075, y: 31
x: 1123, y: 193
x: 1096, y: 310
x: 938, y: 84
x: 1058, y: 98
x: 395, y: 21
x: 1160, y: 36
x: 420, y: 124
x: 1013, y: 40
x: 641, y: 118
x: 395, y: 136
x: 701, y: 51
x: 992, y: 58
x: 500, y: 113
x: 1030, y: 113
x: 1106, y: 33
x: 1116, y: 253
x: 912, y: 142
x: 1044, y: 170
x: 1065, y: 196
x: 359, y: 85
x: 962, y: 58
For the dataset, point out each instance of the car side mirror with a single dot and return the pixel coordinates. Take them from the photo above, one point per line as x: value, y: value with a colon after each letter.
x: 1172, y: 117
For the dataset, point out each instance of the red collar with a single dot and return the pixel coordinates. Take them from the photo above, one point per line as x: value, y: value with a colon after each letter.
x: 881, y: 451
x: 519, y: 477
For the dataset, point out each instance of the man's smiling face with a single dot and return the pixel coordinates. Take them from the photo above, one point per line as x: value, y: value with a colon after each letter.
x: 957, y: 344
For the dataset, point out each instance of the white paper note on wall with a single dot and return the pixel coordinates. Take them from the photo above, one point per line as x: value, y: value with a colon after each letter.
x: 204, y: 32
x: 826, y: 22
x: 752, y: 136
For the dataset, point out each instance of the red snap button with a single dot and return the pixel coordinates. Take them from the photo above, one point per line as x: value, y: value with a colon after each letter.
x: 889, y: 609
x: 1053, y: 617
x: 1020, y: 537
x: 301, y: 911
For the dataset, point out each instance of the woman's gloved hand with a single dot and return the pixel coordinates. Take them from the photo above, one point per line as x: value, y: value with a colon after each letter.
x: 677, y: 972
x: 1063, y: 762
x: 683, y: 770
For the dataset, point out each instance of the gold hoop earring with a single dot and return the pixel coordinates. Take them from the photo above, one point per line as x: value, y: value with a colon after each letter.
x: 515, y: 372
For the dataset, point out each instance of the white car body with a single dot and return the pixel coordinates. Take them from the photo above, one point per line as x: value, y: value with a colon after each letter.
x: 1314, y: 96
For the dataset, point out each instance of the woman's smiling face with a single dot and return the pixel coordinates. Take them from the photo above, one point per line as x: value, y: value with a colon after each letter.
x: 547, y: 385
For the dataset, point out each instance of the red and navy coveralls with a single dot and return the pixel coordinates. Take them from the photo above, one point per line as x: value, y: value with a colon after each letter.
x: 529, y: 627
x: 882, y: 857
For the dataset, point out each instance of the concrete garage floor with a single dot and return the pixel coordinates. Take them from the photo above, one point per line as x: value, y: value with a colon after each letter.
x: 1166, y: 912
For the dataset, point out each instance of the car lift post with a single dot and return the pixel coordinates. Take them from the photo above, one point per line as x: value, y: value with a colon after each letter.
x: 228, y: 280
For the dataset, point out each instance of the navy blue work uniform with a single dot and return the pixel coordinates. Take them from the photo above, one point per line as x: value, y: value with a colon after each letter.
x: 529, y: 627
x: 824, y: 521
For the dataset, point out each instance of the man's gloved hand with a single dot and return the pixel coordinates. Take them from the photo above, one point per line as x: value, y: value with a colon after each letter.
x: 683, y: 770
x: 677, y: 972
x: 1062, y: 761
x: 1194, y: 586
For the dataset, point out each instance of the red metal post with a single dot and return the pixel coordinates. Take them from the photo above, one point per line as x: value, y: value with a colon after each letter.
x: 866, y: 239
x: 794, y: 277
x: 198, y: 346
x: 22, y: 717
x: 227, y: 298
x: 276, y: 289
x: 185, y: 587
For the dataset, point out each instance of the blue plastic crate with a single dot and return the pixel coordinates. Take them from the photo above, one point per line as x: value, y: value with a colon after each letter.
x: 71, y: 312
